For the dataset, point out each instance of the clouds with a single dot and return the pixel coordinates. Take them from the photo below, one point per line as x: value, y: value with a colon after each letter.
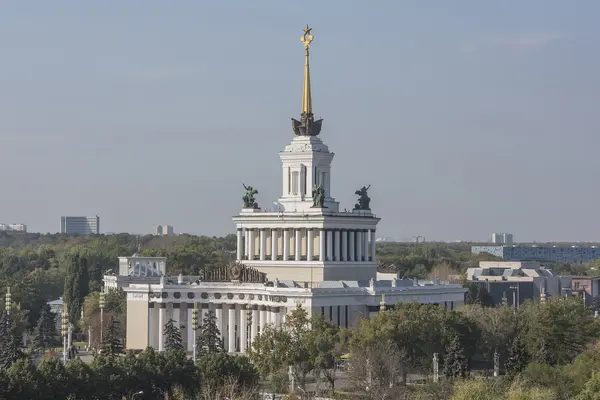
x: 523, y: 41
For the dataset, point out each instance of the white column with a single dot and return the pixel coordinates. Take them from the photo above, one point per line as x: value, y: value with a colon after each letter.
x: 263, y: 244
x: 263, y: 318
x: 344, y: 245
x: 275, y: 315
x: 219, y: 317
x: 161, y: 326
x: 151, y: 329
x: 240, y: 243
x: 373, y: 246
x: 322, y: 245
x: 190, y: 327
x: 297, y: 244
x: 274, y: 247
x: 334, y: 315
x: 365, y: 236
x: 351, y: 242
x: 176, y: 316
x: 310, y: 240
x: 329, y: 244
x: 231, y: 331
x: 243, y: 328
x: 359, y: 246
x: 286, y: 244
x: 251, y: 241
x: 255, y: 321
x: 336, y: 244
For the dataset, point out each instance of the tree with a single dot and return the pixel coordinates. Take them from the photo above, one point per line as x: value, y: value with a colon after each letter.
x: 10, y: 341
x: 76, y: 285
x: 217, y: 369
x: 477, y: 294
x: 112, y: 342
x: 172, y: 336
x: 45, y: 330
x: 208, y: 339
x: 517, y: 359
x: 455, y: 362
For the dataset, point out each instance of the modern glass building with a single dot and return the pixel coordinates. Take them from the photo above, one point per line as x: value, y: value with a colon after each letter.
x: 566, y: 254
x: 80, y: 225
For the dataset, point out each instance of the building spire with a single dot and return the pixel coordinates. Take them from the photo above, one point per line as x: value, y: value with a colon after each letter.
x: 307, y: 126
x: 306, y: 39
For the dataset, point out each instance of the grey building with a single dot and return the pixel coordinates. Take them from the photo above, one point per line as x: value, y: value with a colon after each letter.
x: 80, y: 225
x: 516, y: 281
x: 566, y: 254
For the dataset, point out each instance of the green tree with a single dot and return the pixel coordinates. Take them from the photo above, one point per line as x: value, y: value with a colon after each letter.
x: 217, y: 369
x: 172, y: 335
x: 591, y: 390
x: 76, y: 285
x: 112, y: 342
x: 10, y: 341
x: 45, y: 331
x: 208, y: 339
x: 517, y: 359
x: 455, y: 362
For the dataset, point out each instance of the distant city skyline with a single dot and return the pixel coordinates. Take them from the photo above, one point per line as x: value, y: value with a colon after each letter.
x: 464, y: 118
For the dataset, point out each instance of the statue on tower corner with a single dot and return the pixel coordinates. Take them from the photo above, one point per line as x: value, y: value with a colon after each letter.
x: 363, y: 199
x: 318, y: 195
x: 249, y: 200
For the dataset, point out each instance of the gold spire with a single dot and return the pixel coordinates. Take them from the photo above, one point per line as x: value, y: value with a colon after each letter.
x: 306, y: 39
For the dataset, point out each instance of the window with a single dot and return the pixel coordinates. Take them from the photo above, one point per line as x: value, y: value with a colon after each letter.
x: 295, y: 182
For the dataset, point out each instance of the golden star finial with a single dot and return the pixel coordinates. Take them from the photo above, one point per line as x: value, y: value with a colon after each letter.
x: 307, y: 37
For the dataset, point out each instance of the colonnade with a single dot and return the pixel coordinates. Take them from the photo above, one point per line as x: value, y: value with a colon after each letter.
x: 301, y: 244
x: 238, y: 324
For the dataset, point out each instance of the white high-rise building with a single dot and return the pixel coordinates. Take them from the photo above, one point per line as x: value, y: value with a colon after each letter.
x: 502, y: 238
x: 13, y: 227
x: 307, y: 253
x: 164, y: 230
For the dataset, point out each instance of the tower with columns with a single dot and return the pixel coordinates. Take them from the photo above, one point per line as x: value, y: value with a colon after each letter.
x: 308, y: 254
x: 307, y: 239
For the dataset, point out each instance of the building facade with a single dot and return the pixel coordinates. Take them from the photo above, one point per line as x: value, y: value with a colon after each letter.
x: 13, y: 227
x: 565, y: 254
x: 163, y: 230
x: 80, y: 225
x: 307, y: 253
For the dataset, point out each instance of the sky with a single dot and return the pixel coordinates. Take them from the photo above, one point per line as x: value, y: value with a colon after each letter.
x: 466, y: 117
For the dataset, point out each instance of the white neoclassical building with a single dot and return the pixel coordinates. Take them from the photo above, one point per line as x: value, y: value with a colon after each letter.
x: 307, y: 252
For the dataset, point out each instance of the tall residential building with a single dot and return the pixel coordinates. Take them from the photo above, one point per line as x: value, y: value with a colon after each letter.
x: 164, y: 230
x: 502, y: 238
x: 80, y: 225
x: 13, y: 227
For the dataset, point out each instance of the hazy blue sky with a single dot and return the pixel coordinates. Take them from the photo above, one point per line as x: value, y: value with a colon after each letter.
x: 467, y: 117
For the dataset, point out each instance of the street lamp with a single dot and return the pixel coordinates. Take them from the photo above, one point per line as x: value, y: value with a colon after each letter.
x: 102, y: 303
x: 249, y: 325
x: 382, y: 303
x: 137, y: 393
x: 7, y: 301
x: 195, y: 327
x: 64, y: 331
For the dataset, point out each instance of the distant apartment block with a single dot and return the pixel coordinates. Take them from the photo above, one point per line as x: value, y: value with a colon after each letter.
x: 571, y: 254
x: 502, y: 238
x: 164, y: 230
x: 80, y: 225
x: 13, y: 227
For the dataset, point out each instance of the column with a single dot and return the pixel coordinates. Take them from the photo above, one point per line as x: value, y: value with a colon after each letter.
x: 329, y: 244
x: 359, y: 246
x: 298, y: 245
x: 219, y: 317
x: 263, y: 318
x: 344, y: 245
x: 243, y: 328
x: 161, y: 326
x: 373, y: 246
x: 255, y: 320
x: 176, y: 315
x: 275, y: 316
x: 251, y: 242
x: 263, y: 244
x: 190, y: 326
x: 231, y: 331
x: 151, y: 328
x: 322, y: 245
x: 343, y: 311
x: 334, y: 315
x: 274, y: 247
x: 336, y: 244
x: 286, y: 244
x: 366, y: 244
x: 240, y: 243
x: 351, y: 243
x: 310, y: 241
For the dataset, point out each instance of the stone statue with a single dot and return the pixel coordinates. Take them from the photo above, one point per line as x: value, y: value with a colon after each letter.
x: 318, y: 195
x: 249, y: 201
x: 363, y: 199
